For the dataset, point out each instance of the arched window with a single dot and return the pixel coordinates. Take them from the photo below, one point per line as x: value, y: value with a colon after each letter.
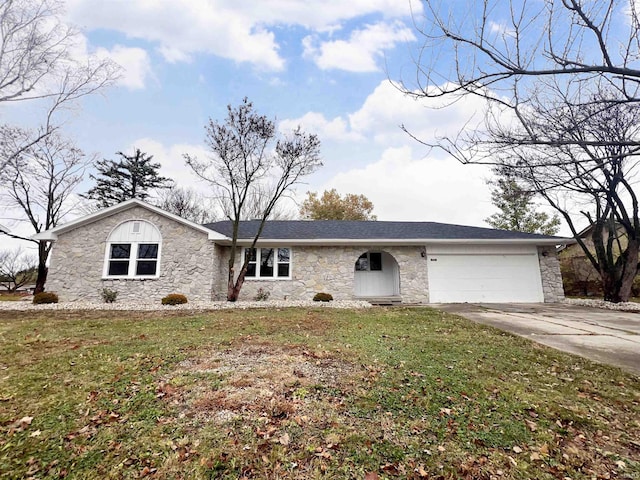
x: 133, y: 251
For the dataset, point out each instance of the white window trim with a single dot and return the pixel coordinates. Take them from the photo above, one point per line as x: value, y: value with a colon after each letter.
x: 133, y: 261
x: 275, y: 264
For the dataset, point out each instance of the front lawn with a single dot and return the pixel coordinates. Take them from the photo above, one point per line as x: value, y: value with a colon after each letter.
x: 303, y: 393
x: 11, y: 297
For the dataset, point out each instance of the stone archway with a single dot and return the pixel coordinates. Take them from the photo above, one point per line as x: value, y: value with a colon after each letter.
x: 376, y: 274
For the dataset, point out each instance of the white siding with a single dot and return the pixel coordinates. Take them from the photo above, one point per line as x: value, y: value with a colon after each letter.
x: 382, y: 283
x: 135, y: 231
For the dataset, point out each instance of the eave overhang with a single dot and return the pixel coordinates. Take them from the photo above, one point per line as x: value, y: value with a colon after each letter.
x: 277, y: 242
x: 52, y: 234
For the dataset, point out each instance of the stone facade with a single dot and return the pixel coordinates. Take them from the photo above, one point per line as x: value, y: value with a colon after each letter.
x: 186, y: 262
x: 191, y: 264
x: 331, y: 269
x: 552, y: 288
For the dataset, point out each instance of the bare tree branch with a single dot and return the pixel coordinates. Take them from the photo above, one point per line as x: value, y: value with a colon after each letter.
x: 561, y: 80
x: 245, y: 165
x: 41, y: 184
x: 540, y: 39
x: 36, y: 64
x: 16, y: 269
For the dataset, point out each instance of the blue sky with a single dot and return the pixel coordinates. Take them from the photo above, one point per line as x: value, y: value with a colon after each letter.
x: 326, y: 65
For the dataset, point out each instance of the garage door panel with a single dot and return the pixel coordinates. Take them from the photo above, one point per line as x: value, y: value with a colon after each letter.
x: 484, y: 278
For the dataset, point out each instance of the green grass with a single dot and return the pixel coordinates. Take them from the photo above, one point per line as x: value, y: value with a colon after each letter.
x: 303, y: 393
x: 11, y: 297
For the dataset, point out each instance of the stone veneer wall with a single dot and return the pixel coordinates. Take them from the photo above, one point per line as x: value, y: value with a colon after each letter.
x: 186, y: 262
x: 220, y: 274
x: 552, y: 288
x: 331, y: 269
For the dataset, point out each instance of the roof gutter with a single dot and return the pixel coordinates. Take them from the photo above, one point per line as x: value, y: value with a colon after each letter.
x: 398, y: 242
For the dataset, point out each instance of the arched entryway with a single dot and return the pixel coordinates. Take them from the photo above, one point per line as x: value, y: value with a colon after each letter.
x: 376, y: 274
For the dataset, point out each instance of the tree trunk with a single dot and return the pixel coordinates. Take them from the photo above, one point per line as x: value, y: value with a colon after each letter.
x: 610, y: 289
x: 43, y: 270
x: 42, y: 277
x: 629, y: 269
x: 232, y: 292
x: 617, y: 279
x: 234, y: 287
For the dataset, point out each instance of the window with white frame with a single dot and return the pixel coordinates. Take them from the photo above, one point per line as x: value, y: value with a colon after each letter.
x: 268, y: 262
x: 133, y: 251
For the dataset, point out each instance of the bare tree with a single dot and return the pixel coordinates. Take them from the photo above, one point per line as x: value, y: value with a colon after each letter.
x: 497, y: 49
x: 33, y: 46
x: 36, y: 64
x: 595, y: 169
x: 248, y: 160
x: 187, y: 203
x: 257, y: 203
x: 16, y: 268
x: 562, y: 85
x: 40, y: 185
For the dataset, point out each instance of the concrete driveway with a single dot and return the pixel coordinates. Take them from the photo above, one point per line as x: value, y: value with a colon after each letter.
x: 605, y: 336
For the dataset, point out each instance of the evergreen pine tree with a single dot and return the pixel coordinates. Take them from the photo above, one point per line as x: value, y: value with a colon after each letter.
x: 130, y: 177
x: 517, y: 210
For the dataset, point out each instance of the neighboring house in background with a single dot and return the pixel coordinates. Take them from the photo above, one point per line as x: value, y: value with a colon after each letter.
x: 144, y: 253
x: 579, y: 275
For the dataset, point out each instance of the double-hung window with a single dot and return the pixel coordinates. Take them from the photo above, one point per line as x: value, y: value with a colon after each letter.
x: 268, y: 263
x: 133, y: 251
x: 133, y: 259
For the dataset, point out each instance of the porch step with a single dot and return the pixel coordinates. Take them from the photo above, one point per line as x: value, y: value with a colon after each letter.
x: 392, y: 300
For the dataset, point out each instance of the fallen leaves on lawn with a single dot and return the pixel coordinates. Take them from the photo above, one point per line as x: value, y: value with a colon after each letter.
x: 284, y: 439
x: 20, y: 425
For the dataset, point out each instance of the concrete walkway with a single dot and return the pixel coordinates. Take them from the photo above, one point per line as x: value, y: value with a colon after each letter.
x: 605, y: 336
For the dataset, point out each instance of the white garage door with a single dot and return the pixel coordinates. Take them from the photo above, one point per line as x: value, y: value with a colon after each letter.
x: 484, y: 277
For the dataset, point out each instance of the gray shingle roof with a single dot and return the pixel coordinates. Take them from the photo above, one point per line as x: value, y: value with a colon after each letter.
x: 362, y: 230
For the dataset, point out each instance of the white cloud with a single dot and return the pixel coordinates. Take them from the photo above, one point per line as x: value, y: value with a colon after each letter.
x: 314, y: 122
x: 134, y: 62
x: 321, y: 15
x: 230, y: 29
x: 362, y: 51
x: 398, y: 179
x: 387, y: 108
x: 403, y: 187
x: 136, y: 67
x: 384, y: 111
x: 173, y: 55
x: 184, y: 27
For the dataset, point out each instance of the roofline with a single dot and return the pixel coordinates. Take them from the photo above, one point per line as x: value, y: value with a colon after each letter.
x: 52, y: 234
x: 399, y: 241
x: 586, y: 229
